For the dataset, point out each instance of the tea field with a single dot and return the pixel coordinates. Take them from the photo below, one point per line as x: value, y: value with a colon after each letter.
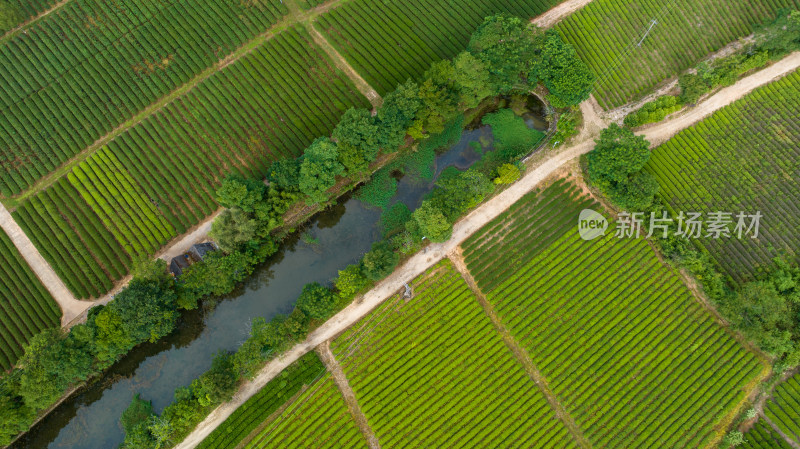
x: 25, y: 10
x: 81, y: 71
x: 256, y: 411
x: 26, y: 307
x: 390, y: 41
x: 606, y: 34
x: 433, y: 372
x: 762, y: 436
x: 158, y: 179
x: 624, y: 346
x: 317, y: 419
x: 784, y: 408
x: 695, y: 173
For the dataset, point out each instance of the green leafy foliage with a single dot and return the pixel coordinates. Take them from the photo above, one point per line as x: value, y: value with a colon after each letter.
x: 316, y: 301
x: 562, y: 72
x: 319, y: 169
x: 615, y: 166
x: 653, y: 111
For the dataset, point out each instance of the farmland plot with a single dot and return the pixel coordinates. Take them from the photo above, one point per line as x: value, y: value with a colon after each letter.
x: 82, y: 70
x: 267, y: 401
x: 696, y: 173
x: 627, y: 350
x: 761, y: 436
x: 26, y: 307
x: 784, y: 408
x: 158, y: 179
x: 26, y: 10
x: 433, y: 372
x: 391, y: 41
x: 317, y: 419
x: 606, y: 33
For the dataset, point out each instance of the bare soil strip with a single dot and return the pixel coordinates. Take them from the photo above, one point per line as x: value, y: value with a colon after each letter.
x: 327, y: 357
x: 457, y: 257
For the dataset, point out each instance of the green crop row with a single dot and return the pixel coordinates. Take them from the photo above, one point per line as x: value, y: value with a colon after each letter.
x: 391, y: 41
x: 527, y: 228
x: 260, y: 407
x: 606, y: 34
x: 623, y: 344
x: 317, y: 419
x: 759, y: 132
x: 24, y: 10
x: 761, y: 436
x: 74, y: 240
x: 433, y: 372
x: 159, y: 178
x: 78, y: 73
x: 784, y: 408
x: 26, y: 307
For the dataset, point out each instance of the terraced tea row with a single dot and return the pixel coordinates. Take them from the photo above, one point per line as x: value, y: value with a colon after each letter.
x: 256, y: 411
x: 606, y: 34
x: 16, y: 12
x: 82, y: 70
x: 158, y: 179
x: 528, y: 227
x: 391, y: 41
x: 433, y: 372
x: 26, y: 307
x: 317, y: 419
x: 759, y: 132
x: 626, y: 349
x: 762, y: 436
x: 784, y: 408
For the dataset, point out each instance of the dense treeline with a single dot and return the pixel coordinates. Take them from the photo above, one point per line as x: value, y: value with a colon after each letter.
x: 158, y: 179
x: 78, y: 73
x: 26, y: 307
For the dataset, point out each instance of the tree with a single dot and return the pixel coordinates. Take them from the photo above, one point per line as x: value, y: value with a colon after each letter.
x: 439, y: 101
x: 350, y: 281
x: 44, y: 375
x: 507, y: 174
x: 241, y: 193
x: 561, y: 71
x: 733, y: 438
x: 217, y: 274
x: 232, y: 229
x: 135, y: 420
x: 505, y: 45
x: 458, y: 192
x: 316, y: 301
x: 284, y: 174
x: 358, y: 129
x: 218, y: 384
x: 319, y: 169
x: 379, y: 262
x: 763, y: 315
x: 10, y: 15
x: 472, y: 78
x: 147, y: 311
x: 615, y: 166
x: 396, y: 114
x: 432, y: 222
x: 15, y: 417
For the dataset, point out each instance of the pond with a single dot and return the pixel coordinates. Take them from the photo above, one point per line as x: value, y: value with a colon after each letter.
x: 338, y: 236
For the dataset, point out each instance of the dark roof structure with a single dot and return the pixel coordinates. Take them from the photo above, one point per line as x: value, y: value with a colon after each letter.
x: 180, y: 263
x: 200, y: 250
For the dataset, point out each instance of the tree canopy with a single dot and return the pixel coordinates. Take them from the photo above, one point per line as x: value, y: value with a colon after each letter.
x: 319, y: 169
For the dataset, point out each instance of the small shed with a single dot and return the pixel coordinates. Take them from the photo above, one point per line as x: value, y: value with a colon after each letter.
x: 178, y: 264
x: 199, y: 251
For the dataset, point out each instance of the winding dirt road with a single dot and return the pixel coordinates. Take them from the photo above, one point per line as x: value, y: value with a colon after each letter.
x: 422, y: 261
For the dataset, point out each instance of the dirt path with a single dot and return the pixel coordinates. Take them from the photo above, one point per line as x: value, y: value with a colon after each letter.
x: 70, y: 307
x: 341, y: 381
x: 520, y: 354
x: 421, y: 262
x: 364, y: 87
x: 559, y: 12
